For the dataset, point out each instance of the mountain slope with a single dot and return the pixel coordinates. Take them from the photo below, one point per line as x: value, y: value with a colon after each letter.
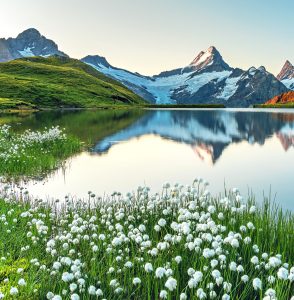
x: 26, y: 44
x: 286, y: 76
x: 207, y: 79
x: 283, y: 99
x: 59, y: 81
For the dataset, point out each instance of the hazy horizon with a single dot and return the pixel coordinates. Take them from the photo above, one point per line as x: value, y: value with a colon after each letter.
x: 152, y: 36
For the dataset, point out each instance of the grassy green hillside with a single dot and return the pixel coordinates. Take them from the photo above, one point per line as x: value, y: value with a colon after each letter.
x: 59, y: 82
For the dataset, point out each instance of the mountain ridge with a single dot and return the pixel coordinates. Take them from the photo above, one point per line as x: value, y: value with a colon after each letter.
x: 207, y: 79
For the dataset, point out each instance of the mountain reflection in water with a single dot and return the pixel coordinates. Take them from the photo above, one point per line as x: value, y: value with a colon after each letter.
x: 207, y: 132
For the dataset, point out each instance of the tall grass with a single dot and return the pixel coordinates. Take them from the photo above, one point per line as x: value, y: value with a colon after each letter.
x: 178, y: 244
x: 34, y: 152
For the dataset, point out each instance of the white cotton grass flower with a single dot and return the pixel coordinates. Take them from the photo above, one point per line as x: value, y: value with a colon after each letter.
x: 216, y: 274
x: 171, y: 284
x: 191, y: 271
x: 75, y: 297
x: 163, y: 294
x: 99, y: 293
x: 201, y: 294
x: 136, y: 281
x: 283, y: 273
x: 178, y: 259
x: 271, y: 294
x: 198, y: 276
x: 128, y: 264
x: 13, y: 291
x: 148, y: 267
x: 240, y: 269
x: 225, y: 297
x: 235, y: 243
x: 22, y: 282
x: 183, y: 296
x: 161, y: 222
x: 192, y: 283
x: 257, y: 284
x: 233, y: 266
x: 49, y: 295
x: 227, y: 286
x: 254, y: 260
x: 92, y: 290
x: 73, y: 286
x: 245, y: 278
x: 213, y: 263
x: 159, y: 272
x: 67, y: 277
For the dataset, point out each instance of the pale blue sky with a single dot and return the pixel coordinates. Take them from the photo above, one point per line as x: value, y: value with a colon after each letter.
x: 156, y: 35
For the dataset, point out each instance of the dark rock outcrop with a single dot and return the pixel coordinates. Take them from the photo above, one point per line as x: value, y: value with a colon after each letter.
x: 26, y: 44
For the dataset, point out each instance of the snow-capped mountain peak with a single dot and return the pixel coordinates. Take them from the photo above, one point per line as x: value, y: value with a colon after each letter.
x: 286, y: 76
x: 205, y: 57
x: 209, y: 60
x: 28, y: 43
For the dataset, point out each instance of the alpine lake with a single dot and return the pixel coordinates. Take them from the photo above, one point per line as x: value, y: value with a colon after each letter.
x: 251, y: 149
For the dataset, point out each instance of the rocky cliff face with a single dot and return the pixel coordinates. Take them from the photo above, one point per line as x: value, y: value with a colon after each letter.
x: 26, y: 44
x: 282, y: 99
x: 286, y: 76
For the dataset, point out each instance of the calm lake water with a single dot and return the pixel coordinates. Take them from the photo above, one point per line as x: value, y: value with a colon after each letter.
x: 248, y: 149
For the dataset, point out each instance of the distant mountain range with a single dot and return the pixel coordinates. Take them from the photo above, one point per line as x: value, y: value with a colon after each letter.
x: 207, y: 79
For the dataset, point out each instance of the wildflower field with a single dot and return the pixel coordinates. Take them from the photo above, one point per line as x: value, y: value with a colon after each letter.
x: 34, y: 152
x: 181, y: 243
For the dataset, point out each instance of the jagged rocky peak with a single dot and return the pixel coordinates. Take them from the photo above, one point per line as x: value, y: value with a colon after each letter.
x: 28, y: 43
x: 30, y: 33
x: 262, y: 69
x: 253, y: 71
x: 287, y: 71
x: 96, y: 60
x: 209, y: 60
x: 205, y: 57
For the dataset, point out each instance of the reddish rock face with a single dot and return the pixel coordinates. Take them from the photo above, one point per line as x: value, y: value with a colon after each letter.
x: 282, y: 99
x: 287, y: 71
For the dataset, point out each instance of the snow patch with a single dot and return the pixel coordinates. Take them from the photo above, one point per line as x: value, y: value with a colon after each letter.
x: 27, y: 52
x: 163, y: 87
x: 289, y: 83
x: 230, y: 88
x: 252, y: 71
